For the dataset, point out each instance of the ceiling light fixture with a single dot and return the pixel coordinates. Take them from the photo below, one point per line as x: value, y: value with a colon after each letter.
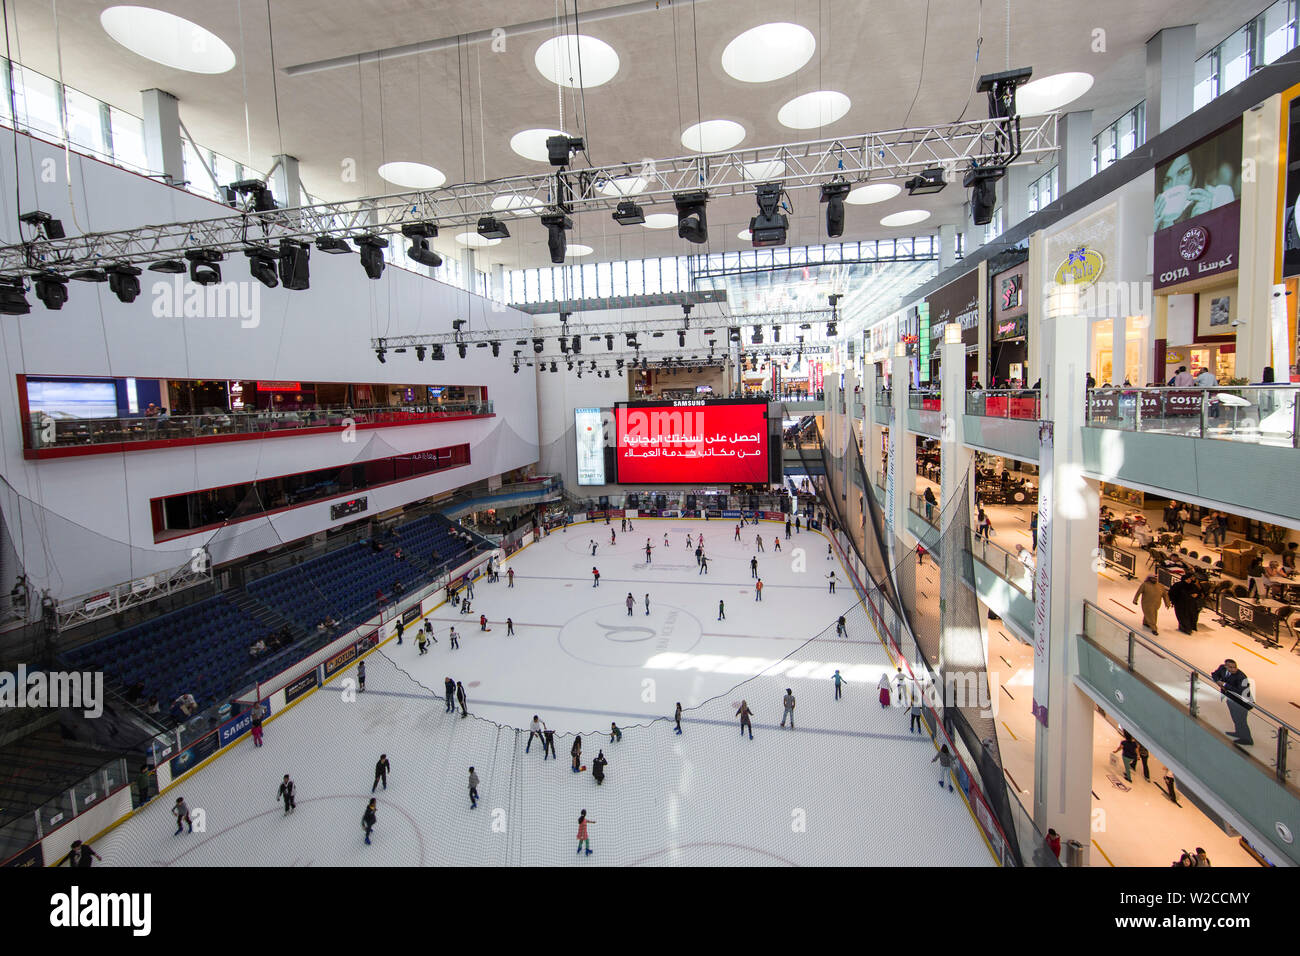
x: 52, y: 290
x: 489, y: 227
x: 556, y: 239
x: 692, y: 224
x: 768, y: 228
x: 926, y: 183
x: 833, y: 194
x: 628, y: 213
x: 372, y: 254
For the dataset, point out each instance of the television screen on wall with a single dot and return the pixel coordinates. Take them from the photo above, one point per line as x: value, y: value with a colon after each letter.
x: 591, y: 441
x: 692, y: 442
x: 72, y: 398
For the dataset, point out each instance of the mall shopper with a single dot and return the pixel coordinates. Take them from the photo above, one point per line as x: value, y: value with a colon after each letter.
x: 1205, y: 379
x: 1151, y: 593
x: 1129, y: 748
x: 1201, y: 859
x: 1240, y: 697
x: 1054, y: 842
x: 1185, y: 595
x: 1182, y: 378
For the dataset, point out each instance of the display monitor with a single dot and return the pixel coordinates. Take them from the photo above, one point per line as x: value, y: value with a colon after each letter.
x: 590, y: 438
x: 692, y: 442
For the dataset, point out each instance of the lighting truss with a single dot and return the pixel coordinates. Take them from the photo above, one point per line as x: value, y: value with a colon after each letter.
x: 893, y: 154
x: 718, y: 323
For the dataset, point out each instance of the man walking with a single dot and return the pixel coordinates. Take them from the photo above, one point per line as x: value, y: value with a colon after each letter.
x: 787, y: 703
x: 449, y: 686
x: 381, y: 772
x: 460, y: 698
x: 758, y: 590
x: 722, y: 611
x: 1239, y: 694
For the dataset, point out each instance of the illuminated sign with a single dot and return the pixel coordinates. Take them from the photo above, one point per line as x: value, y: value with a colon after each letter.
x: 1082, y: 266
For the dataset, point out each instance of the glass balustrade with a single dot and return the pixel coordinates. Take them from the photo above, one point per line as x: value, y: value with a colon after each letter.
x: 1260, y: 414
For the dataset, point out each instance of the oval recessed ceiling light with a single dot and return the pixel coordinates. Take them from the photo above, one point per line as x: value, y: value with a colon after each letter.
x: 1051, y: 92
x: 521, y: 205
x: 167, y: 39
x: 475, y: 241
x: 763, y: 170
x: 412, y: 175
x: 819, y: 108
x: 872, y: 193
x: 531, y: 143
x: 768, y: 52
x: 578, y: 249
x: 908, y: 217
x: 711, y: 136
x: 562, y: 59
x: 660, y: 220
x: 621, y: 186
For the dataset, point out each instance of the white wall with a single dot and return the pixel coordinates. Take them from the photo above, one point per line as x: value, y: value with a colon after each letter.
x: 82, y: 523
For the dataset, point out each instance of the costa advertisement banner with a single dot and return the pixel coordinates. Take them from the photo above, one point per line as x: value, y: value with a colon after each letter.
x: 301, y: 686
x: 1112, y: 405
x: 1197, y: 210
x: 691, y: 442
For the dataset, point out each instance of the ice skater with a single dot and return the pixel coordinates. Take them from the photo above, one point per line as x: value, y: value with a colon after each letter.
x: 595, y: 577
x: 80, y: 854
x: 593, y: 546
x: 510, y: 577
x: 737, y: 532
x: 428, y: 629
x: 482, y: 623
x: 400, y: 628
x: 647, y: 605
x: 460, y: 699
x: 915, y: 725
x: 828, y: 551
x: 647, y: 550
x: 722, y: 611
x: 598, y: 767
x: 369, y: 819
x: 630, y: 602
x: 838, y: 681
x: 535, y: 729
x: 831, y: 580
x: 576, y: 752
x: 699, y: 550
x: 259, y: 714
x: 449, y: 686
x: 758, y: 541
x: 797, y: 524
x: 614, y: 733
x: 753, y: 567
x: 583, y: 841
x: 548, y: 743
x: 622, y: 525
x: 945, y: 766
x: 473, y: 789
x: 704, y: 564
x: 455, y: 640
x: 841, y: 627
x: 286, y: 793
x: 611, y: 537
x: 677, y: 717
x: 758, y: 590
x: 883, y: 687
x: 510, y: 627
x: 361, y: 676
x: 181, y: 811
x: 665, y: 539
x: 382, y: 767
x: 787, y: 704
x: 745, y: 714
x: 776, y: 543
x: 422, y: 643
x: 787, y: 529
x: 689, y: 543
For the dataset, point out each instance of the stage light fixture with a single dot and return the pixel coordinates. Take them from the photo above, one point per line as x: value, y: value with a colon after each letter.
x: 577, y: 343
x: 757, y: 337
x: 295, y: 272
x: 1001, y: 89
x: 982, y: 183
x: 681, y: 338
x: 628, y: 213
x: 593, y: 365
x: 769, y: 227
x: 51, y: 289
x: 776, y: 333
x: 381, y: 355
x: 204, y: 267
x: 419, y: 352
x: 570, y: 365
x: 334, y: 245
x: 170, y: 266
x: 89, y: 275
x: 372, y: 254
x: 564, y: 344
x: 926, y: 183
x: 609, y: 341
x: 436, y: 353
x: 733, y: 333
x: 538, y: 345
x: 496, y: 348
x: 692, y: 223
x: 833, y: 194
x: 262, y: 266
x: 250, y: 195
x: 556, y: 238
x: 124, y: 281
x: 461, y: 349
x: 831, y: 330
x: 13, y: 298
x: 560, y: 148
x: 420, y: 252
x: 44, y: 223
x: 553, y: 368
x: 490, y: 227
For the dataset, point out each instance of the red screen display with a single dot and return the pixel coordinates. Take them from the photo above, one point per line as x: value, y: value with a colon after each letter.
x: 692, y: 443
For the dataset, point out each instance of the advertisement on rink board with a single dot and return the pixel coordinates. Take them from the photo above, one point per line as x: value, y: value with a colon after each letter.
x: 301, y: 686
x: 236, y: 727
x: 411, y: 614
x: 195, y: 754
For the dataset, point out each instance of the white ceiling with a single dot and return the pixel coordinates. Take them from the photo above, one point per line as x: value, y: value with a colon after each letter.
x: 457, y: 108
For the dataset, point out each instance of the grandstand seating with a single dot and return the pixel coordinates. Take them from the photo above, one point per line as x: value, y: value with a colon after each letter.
x: 203, y: 649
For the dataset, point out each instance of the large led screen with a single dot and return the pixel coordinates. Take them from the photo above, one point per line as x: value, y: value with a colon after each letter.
x: 591, y: 441
x: 692, y: 442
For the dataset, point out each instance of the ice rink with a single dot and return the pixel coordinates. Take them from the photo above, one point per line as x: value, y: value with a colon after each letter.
x: 849, y: 786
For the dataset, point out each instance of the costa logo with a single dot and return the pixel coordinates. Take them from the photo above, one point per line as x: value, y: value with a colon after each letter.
x: 1193, y: 243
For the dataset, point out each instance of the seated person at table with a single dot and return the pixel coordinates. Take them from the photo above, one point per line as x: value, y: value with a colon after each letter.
x: 1274, y: 579
x: 1289, y: 556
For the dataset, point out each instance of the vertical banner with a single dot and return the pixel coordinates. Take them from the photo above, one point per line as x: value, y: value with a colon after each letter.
x: 1043, y: 572
x: 1280, y: 328
x: 891, y: 463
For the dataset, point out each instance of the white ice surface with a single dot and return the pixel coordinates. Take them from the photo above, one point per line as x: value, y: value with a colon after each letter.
x: 850, y: 786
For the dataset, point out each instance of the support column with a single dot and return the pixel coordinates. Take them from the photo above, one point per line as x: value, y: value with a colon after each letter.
x: 1171, y: 77
x: 162, y: 135
x: 985, y: 300
x: 870, y: 440
x: 1074, y: 160
x: 497, y: 282
x: 1258, y: 244
x: 285, y: 183
x: 954, y: 465
x: 902, y: 453
x: 1064, y: 578
x: 467, y: 267
x: 947, y: 246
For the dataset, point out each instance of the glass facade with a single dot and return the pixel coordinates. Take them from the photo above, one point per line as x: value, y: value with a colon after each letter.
x: 1258, y: 43
x: 1120, y: 138
x: 1043, y: 190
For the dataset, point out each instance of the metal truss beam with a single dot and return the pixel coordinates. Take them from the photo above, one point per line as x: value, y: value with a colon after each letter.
x: 889, y: 155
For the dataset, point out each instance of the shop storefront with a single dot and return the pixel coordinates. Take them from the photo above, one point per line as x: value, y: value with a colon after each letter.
x: 958, y: 302
x: 1197, y: 222
x: 1009, y: 327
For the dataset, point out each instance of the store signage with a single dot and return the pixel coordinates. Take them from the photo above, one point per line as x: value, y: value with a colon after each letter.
x: 1197, y: 250
x: 279, y: 386
x: 1011, y: 329
x: 1082, y: 266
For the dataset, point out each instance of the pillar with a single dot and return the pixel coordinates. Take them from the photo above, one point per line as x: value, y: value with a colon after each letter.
x: 1171, y: 77
x: 900, y: 482
x: 1074, y: 159
x: 1064, y: 579
x: 947, y: 246
x: 954, y: 465
x: 285, y: 183
x: 1257, y: 247
x: 162, y: 135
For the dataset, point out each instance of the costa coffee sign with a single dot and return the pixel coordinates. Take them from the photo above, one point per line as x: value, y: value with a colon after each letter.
x: 1107, y: 404
x: 1198, y: 248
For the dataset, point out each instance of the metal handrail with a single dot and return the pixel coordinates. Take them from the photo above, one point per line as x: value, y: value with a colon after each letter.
x: 1197, y: 408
